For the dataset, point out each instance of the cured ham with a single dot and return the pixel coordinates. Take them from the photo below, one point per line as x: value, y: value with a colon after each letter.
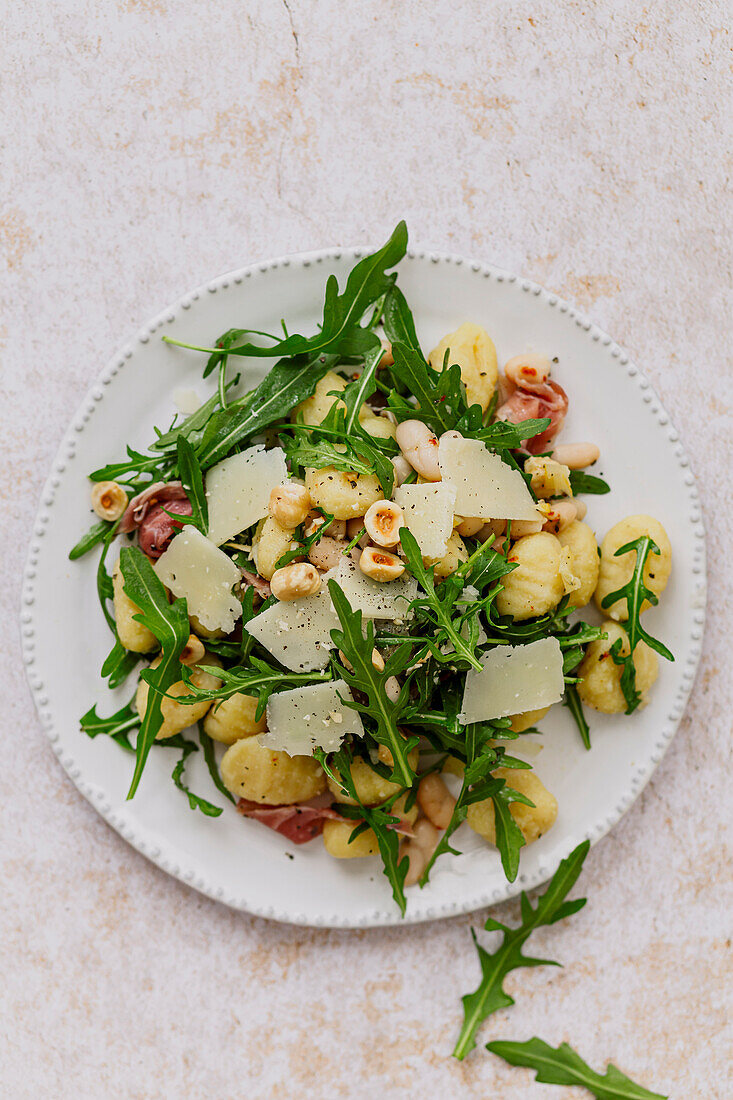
x: 260, y: 585
x: 299, y: 823
x: 533, y: 400
x: 158, y: 528
x: 158, y: 493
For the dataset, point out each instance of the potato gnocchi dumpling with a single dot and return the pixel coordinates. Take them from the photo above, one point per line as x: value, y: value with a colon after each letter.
x: 233, y: 718
x: 579, y: 539
x: 316, y: 407
x: 370, y: 786
x: 269, y: 543
x: 266, y: 775
x: 343, y: 495
x: 455, y: 554
x: 473, y: 350
x: 179, y: 716
x: 535, y: 586
x: 616, y: 572
x: 600, y: 686
x: 534, y: 821
x: 132, y: 634
x: 522, y: 722
x: 338, y: 843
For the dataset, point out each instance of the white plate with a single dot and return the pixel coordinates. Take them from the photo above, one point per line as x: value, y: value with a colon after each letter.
x: 241, y: 862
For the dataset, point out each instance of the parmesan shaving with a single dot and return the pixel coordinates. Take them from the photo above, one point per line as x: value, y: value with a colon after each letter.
x: 238, y: 490
x: 308, y: 718
x: 298, y: 632
x: 193, y: 567
x: 486, y: 487
x: 428, y: 514
x: 375, y: 600
x: 514, y: 679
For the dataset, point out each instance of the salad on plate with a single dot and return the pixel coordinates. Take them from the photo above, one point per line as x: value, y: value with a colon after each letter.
x: 363, y: 582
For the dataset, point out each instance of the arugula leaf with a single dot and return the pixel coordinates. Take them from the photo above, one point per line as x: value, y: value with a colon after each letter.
x: 440, y: 397
x: 436, y: 605
x: 363, y: 677
x: 207, y: 745
x: 195, y: 801
x: 118, y: 664
x: 563, y: 1066
x: 551, y: 906
x: 635, y: 592
x: 580, y: 482
x: 96, y: 534
x: 399, y: 324
x: 341, y: 330
x: 509, y: 837
x: 381, y: 821
x: 137, y: 463
x: 117, y: 726
x: 505, y: 436
x: 192, y: 480
x: 305, y: 542
x: 169, y: 623
x: 260, y: 680
x: 574, y: 705
x: 317, y: 453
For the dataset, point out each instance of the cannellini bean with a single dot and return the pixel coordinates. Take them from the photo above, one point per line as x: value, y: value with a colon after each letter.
x: 435, y: 800
x: 109, y: 500
x: 377, y: 660
x: 493, y: 527
x: 336, y: 528
x: 387, y: 357
x: 561, y: 515
x: 392, y: 688
x: 528, y: 368
x: 326, y: 554
x: 581, y: 508
x: 383, y: 521
x: 522, y: 527
x: 419, y: 849
x: 576, y: 455
x: 420, y: 447
x: 380, y: 565
x: 290, y: 504
x: 467, y: 528
x: 293, y: 582
x: 353, y: 527
x: 193, y: 651
x: 402, y: 469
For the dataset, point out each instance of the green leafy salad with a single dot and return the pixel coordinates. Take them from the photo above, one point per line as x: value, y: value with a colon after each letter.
x: 357, y: 586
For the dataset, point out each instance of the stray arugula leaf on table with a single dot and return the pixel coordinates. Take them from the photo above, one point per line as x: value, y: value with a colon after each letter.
x: 635, y: 592
x: 563, y: 1066
x: 551, y: 906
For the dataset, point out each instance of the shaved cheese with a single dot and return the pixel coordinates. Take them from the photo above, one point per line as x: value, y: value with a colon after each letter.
x: 375, y: 600
x: 297, y: 632
x: 308, y: 718
x: 193, y: 567
x: 514, y: 679
x: 428, y: 514
x: 486, y: 487
x: 238, y: 490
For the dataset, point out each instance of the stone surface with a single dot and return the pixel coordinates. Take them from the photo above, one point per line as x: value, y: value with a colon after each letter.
x: 150, y: 144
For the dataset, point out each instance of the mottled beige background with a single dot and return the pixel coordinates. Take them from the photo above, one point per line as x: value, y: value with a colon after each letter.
x: 150, y: 144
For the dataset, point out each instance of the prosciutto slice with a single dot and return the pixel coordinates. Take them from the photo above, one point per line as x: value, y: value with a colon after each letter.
x: 158, y: 528
x: 157, y: 493
x: 534, y: 400
x: 260, y: 585
x: 299, y: 823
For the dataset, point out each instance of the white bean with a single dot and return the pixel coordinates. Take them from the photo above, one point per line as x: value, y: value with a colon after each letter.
x: 435, y: 800
x: 492, y: 527
x: 561, y: 515
x: 522, y: 527
x: 326, y: 554
x: 402, y: 469
x: 576, y: 456
x: 420, y: 447
x: 528, y: 368
x: 193, y: 651
x: 467, y: 528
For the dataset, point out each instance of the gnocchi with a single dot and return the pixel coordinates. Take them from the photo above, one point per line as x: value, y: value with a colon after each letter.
x: 473, y: 350
x: 179, y: 716
x: 343, y: 495
x: 132, y: 634
x: 269, y: 543
x: 454, y: 556
x: 533, y: 821
x: 536, y: 585
x: 615, y: 572
x: 265, y: 775
x: 579, y: 539
x: 234, y: 718
x: 600, y: 683
x: 371, y: 788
